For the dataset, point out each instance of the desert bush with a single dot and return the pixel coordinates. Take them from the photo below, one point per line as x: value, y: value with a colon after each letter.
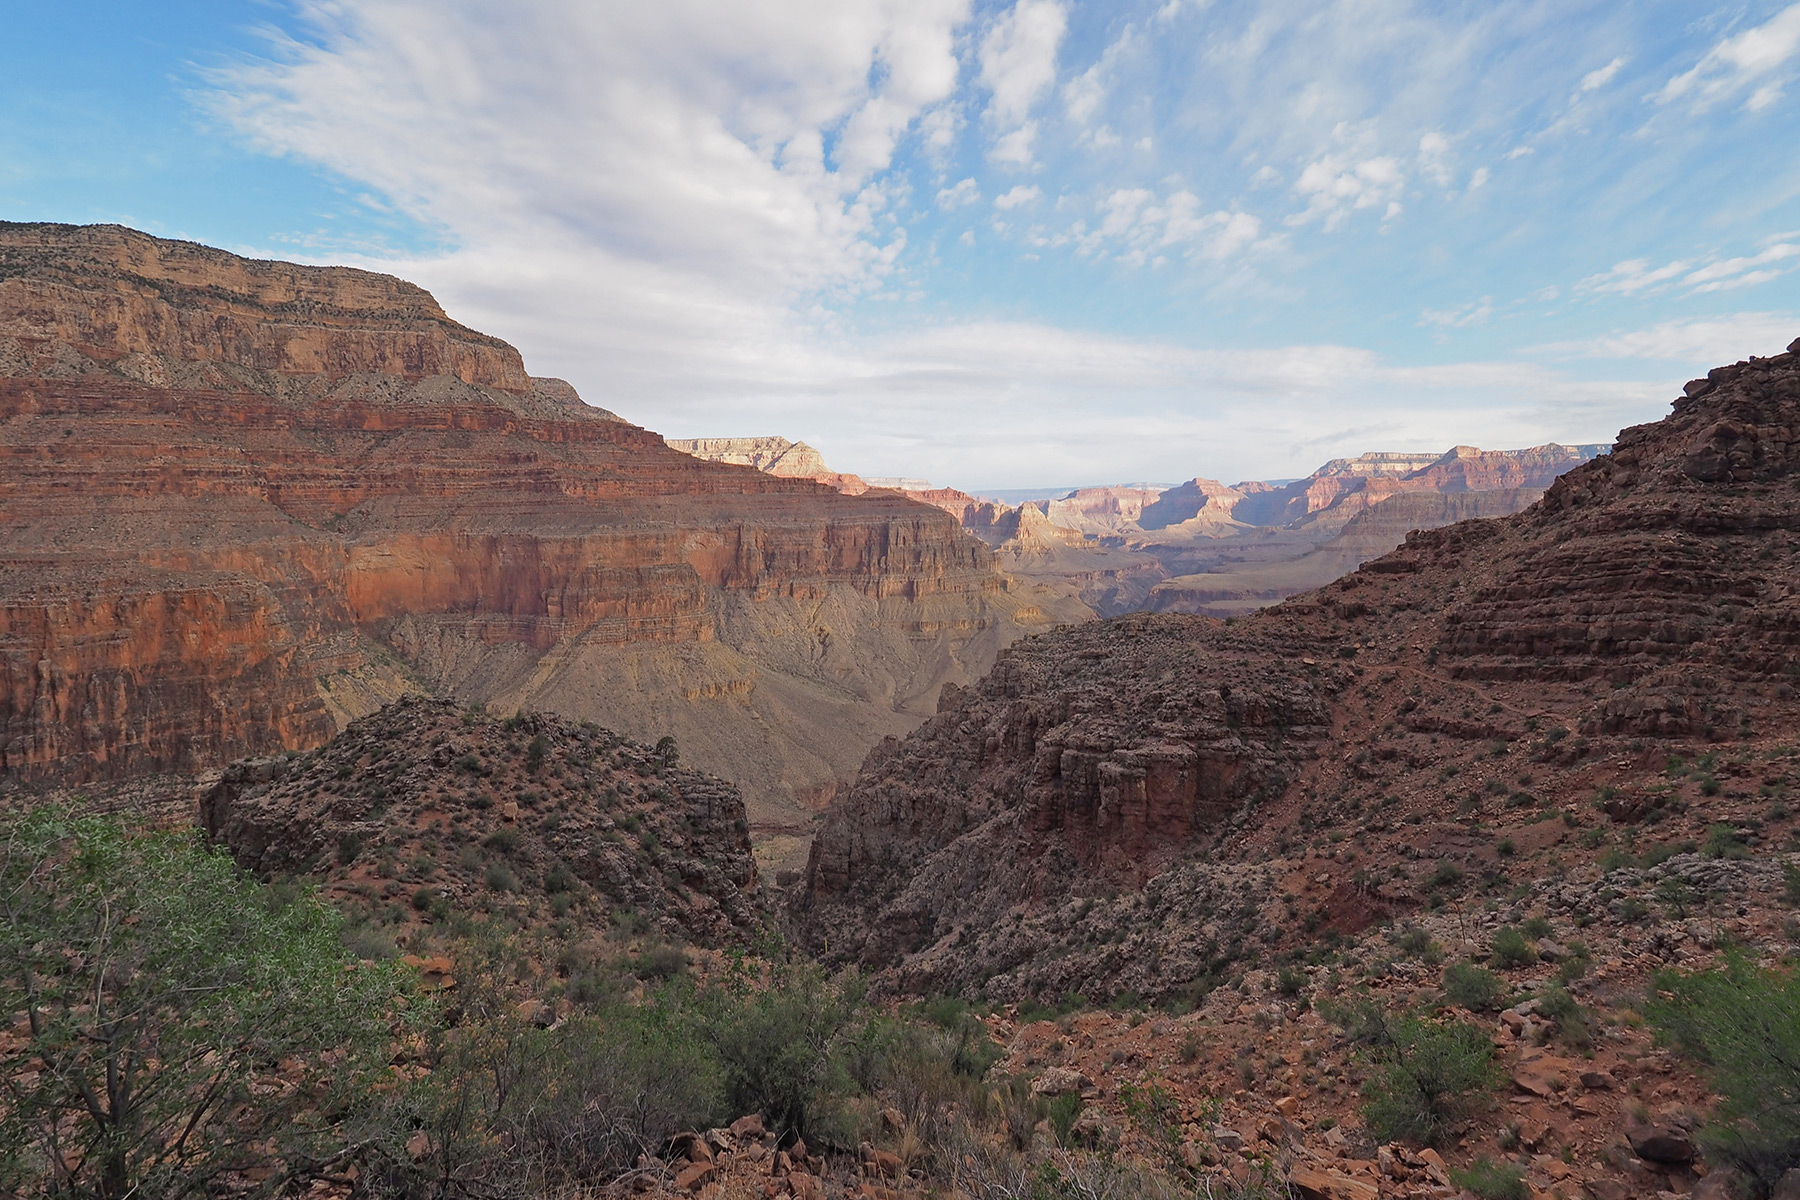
x: 1430, y: 1076
x: 1743, y: 1023
x: 781, y: 1048
x: 1722, y: 842
x: 1474, y: 988
x: 1572, y: 1028
x: 1492, y: 1181
x: 1511, y: 949
x: 159, y: 984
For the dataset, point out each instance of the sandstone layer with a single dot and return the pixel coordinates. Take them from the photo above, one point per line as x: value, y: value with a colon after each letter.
x: 1128, y: 805
x: 242, y: 503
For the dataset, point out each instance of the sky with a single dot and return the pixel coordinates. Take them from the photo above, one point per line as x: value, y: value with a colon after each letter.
x: 996, y: 245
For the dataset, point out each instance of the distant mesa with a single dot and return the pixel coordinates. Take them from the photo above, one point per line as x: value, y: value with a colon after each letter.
x: 1204, y: 546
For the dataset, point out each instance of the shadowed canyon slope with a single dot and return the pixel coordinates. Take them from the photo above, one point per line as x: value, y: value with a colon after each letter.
x: 1123, y: 805
x: 242, y: 503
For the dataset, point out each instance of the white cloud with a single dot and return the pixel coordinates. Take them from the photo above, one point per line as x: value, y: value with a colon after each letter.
x: 1636, y: 276
x: 1738, y: 61
x: 1704, y: 342
x: 684, y: 139
x: 1434, y: 159
x: 1594, y: 80
x: 1018, y: 65
x: 1137, y: 228
x: 1479, y: 179
x: 1014, y: 148
x: 966, y: 191
x: 1083, y: 94
x: 1337, y: 184
x: 1630, y: 277
x: 1017, y: 196
x: 1742, y: 272
x: 1460, y: 317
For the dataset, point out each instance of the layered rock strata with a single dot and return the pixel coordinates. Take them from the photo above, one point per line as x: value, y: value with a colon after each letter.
x: 242, y: 503
x: 1118, y: 806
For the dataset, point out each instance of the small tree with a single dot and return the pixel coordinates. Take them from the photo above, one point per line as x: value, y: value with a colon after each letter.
x: 184, y: 1022
x: 1744, y: 1024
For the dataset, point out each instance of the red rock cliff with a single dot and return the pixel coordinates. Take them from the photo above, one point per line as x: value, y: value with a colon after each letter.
x: 228, y: 487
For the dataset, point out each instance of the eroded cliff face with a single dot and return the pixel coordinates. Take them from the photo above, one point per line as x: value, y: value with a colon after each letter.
x: 242, y: 503
x: 1124, y: 806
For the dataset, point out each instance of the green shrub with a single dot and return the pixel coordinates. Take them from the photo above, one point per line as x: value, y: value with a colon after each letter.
x: 1536, y: 928
x: 534, y: 754
x: 1446, y: 876
x: 503, y: 840
x: 782, y: 1052
x: 1492, y: 1181
x: 1474, y: 988
x: 161, y: 983
x: 559, y: 879
x: 1743, y: 1024
x: 1790, y: 883
x: 1062, y: 1113
x: 500, y: 877
x: 660, y: 963
x: 1571, y: 1019
x: 1511, y: 949
x: 1430, y: 1076
x: 1722, y: 842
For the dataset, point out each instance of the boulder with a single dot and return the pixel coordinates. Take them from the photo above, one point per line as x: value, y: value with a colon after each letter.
x: 1662, y: 1143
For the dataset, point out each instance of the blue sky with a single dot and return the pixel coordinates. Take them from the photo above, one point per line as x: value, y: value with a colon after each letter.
x: 995, y: 244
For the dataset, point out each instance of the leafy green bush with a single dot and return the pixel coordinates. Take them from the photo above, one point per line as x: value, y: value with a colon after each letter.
x: 1431, y: 1076
x: 1492, y: 1181
x: 1474, y: 988
x: 1743, y: 1023
x: 161, y: 984
x: 1571, y: 1019
x: 1722, y: 842
x: 782, y: 1051
x: 1511, y: 949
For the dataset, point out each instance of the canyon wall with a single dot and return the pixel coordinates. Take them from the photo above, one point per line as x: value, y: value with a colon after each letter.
x: 1101, y: 811
x: 242, y: 503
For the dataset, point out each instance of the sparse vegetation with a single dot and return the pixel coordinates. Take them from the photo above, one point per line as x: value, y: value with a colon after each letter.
x: 1741, y: 1022
x: 1472, y: 987
x: 1430, y: 1075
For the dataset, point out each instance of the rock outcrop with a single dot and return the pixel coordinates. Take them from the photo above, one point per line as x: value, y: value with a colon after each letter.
x: 1117, y: 806
x: 242, y: 503
x: 774, y: 455
x: 479, y: 807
